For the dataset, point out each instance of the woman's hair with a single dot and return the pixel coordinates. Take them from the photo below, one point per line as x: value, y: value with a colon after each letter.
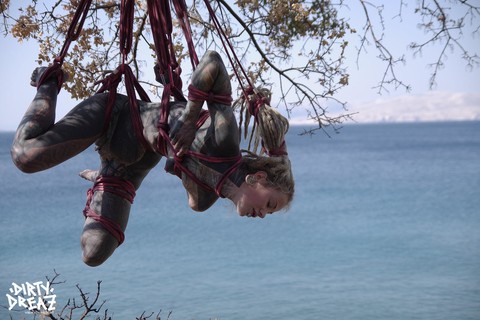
x: 268, y: 130
x: 278, y: 170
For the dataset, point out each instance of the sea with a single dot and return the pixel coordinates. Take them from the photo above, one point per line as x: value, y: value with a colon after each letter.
x: 385, y: 225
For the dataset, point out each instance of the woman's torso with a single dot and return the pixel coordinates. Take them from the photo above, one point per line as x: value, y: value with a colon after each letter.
x: 217, y: 136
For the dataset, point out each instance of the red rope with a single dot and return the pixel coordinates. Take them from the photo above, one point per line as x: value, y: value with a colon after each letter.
x: 126, y: 26
x: 218, y: 188
x: 164, y: 143
x: 117, y: 186
x: 161, y: 24
x: 111, y: 82
x: 229, y: 50
x: 280, y: 151
x: 72, y: 34
x: 109, y: 225
x: 75, y: 27
x: 181, y: 11
x: 132, y: 85
x: 195, y: 94
x: 160, y: 21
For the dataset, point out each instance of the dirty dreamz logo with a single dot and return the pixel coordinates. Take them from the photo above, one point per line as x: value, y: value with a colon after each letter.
x: 35, y: 297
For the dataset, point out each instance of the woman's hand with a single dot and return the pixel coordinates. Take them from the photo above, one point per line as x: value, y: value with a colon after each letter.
x: 38, y: 73
x: 184, y: 131
x: 182, y: 136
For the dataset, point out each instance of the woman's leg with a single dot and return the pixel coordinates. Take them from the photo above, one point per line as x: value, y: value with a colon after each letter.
x: 40, y: 143
x: 98, y: 243
x: 210, y: 77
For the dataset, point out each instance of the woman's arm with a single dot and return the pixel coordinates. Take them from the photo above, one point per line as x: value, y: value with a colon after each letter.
x: 210, y: 76
x: 199, y: 199
x: 218, y: 137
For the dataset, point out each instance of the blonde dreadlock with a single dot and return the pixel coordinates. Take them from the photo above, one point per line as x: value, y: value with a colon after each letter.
x: 269, y: 126
x: 269, y: 129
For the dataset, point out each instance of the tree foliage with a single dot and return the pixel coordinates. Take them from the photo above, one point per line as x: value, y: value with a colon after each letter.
x: 295, y: 47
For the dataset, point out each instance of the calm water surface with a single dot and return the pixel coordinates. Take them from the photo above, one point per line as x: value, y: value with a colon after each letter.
x: 385, y: 225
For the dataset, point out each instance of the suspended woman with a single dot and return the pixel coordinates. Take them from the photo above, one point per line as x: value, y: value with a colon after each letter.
x: 257, y: 185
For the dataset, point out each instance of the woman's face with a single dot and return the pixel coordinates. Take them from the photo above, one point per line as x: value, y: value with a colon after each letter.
x: 257, y: 200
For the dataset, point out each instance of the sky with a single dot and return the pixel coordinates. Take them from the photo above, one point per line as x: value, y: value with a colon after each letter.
x: 455, y: 97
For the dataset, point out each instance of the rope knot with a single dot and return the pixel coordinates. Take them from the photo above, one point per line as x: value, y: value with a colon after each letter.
x: 211, y: 97
x: 255, y: 104
x: 256, y: 99
x: 163, y: 126
x: 54, y: 70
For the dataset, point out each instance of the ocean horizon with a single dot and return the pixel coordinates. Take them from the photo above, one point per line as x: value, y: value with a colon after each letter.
x: 384, y: 225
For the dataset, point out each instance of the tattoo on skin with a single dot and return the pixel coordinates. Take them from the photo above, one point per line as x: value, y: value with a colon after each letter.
x: 203, y: 198
x: 122, y: 156
x: 111, y: 167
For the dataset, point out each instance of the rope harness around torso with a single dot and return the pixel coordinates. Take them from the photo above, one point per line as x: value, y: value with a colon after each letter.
x: 125, y: 189
x: 164, y: 143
